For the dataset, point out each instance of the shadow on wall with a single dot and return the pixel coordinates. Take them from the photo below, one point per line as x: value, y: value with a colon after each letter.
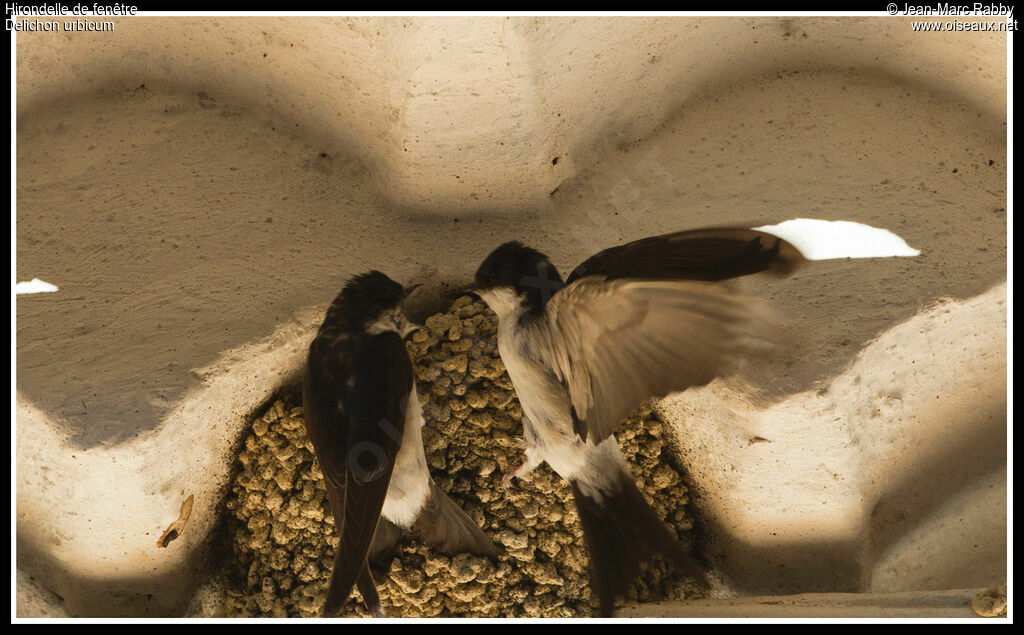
x: 846, y: 566
x: 131, y: 596
x: 826, y: 566
x: 964, y: 468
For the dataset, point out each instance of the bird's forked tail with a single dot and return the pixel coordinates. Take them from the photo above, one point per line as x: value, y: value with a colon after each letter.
x: 622, y: 531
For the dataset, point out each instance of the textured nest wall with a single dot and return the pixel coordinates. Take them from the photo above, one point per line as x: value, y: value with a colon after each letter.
x: 283, y: 535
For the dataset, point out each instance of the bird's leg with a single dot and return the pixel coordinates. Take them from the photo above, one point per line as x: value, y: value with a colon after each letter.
x: 529, y: 464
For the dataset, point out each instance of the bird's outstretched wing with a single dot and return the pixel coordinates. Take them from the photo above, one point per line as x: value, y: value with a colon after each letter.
x: 698, y: 254
x: 354, y: 405
x: 616, y: 343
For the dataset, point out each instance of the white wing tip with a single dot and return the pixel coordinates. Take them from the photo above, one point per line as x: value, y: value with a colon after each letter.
x: 34, y: 286
x: 826, y: 240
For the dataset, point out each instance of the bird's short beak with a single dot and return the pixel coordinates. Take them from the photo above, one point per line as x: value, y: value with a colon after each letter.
x: 409, y: 289
x: 407, y: 326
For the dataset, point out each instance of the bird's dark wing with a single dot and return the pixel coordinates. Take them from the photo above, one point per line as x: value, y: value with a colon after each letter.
x: 355, y: 396
x: 700, y: 254
x: 616, y: 343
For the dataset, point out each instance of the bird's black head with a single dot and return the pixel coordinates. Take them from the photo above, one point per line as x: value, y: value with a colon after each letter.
x: 368, y: 294
x: 520, y: 272
x: 370, y: 301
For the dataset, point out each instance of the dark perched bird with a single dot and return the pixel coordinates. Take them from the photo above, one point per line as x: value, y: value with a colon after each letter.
x: 364, y: 418
x: 632, y: 322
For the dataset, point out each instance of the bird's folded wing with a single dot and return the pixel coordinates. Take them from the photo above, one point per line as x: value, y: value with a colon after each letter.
x: 358, y: 437
x: 617, y: 343
x: 699, y: 254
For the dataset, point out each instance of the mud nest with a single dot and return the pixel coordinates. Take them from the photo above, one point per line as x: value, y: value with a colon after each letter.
x: 283, y: 534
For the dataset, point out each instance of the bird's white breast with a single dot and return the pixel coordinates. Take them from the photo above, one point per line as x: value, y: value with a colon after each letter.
x: 547, y: 418
x: 410, y: 480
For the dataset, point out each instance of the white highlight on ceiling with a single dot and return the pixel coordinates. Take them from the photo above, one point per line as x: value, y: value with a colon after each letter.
x: 35, y: 286
x: 825, y: 240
